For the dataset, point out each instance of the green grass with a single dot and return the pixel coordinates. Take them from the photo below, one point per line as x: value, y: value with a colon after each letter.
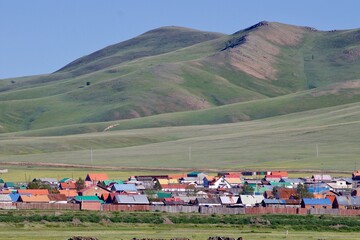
x: 284, y: 142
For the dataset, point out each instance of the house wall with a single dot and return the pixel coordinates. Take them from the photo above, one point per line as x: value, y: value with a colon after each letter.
x: 94, y: 206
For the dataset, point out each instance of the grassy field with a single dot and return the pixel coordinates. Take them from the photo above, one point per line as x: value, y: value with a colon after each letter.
x: 286, y: 142
x: 127, y: 232
x: 46, y: 225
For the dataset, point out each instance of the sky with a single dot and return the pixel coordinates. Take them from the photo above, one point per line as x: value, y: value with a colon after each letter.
x: 41, y: 36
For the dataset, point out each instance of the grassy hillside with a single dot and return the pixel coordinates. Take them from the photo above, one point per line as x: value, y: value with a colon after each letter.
x: 229, y: 78
x: 280, y: 142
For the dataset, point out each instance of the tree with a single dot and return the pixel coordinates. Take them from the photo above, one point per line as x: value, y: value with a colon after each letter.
x: 247, y: 189
x: 302, y: 191
x: 80, y: 184
x: 157, y: 186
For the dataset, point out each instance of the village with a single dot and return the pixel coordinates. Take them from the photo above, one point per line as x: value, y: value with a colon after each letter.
x: 223, y: 193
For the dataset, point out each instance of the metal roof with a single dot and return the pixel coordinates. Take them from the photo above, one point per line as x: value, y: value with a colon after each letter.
x: 316, y: 201
x: 274, y: 201
x: 124, y: 188
x: 131, y: 199
x: 5, y: 198
x: 251, y: 199
x: 229, y: 199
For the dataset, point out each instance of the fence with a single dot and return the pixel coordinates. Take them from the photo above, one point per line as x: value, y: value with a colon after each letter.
x: 221, y: 210
x: 48, y: 206
x: 175, y: 209
x: 126, y: 208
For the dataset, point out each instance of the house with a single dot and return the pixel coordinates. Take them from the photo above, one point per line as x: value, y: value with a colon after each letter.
x: 309, y: 203
x: 233, y: 181
x: 69, y: 193
x: 33, y: 191
x: 229, y: 200
x: 175, y: 187
x: 14, y: 197
x: 9, y: 185
x: 93, y: 190
x: 65, y: 180
x: 321, y: 178
x: 347, y: 202
x: 108, y: 197
x: 356, y: 192
x: 58, y: 198
x: 273, y: 203
x: 219, y: 183
x: 173, y: 201
x: 124, y: 188
x: 294, y: 182
x: 131, y: 200
x: 285, y: 193
x: 356, y: 175
x: 34, y: 199
x: 96, y: 177
x: 282, y: 174
x: 67, y: 186
x: 112, y: 182
x: 250, y: 200
x: 340, y: 184
x: 49, y: 181
x: 208, y: 202
x: 280, y: 184
x: 5, y: 198
x: 272, y: 178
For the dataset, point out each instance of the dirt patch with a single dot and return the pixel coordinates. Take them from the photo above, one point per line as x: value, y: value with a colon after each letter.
x: 351, y: 55
x: 335, y: 89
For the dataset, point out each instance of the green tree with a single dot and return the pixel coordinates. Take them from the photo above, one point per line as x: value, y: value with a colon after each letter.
x: 302, y: 191
x: 80, y: 184
x: 247, y: 189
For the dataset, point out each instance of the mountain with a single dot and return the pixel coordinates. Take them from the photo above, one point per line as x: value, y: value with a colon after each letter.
x: 176, y: 76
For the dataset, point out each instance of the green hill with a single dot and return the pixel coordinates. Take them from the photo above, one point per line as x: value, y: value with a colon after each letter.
x: 174, y: 69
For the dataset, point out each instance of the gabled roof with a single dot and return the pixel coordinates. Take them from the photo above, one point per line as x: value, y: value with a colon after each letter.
x: 14, y: 197
x: 292, y: 180
x: 274, y: 201
x: 67, y: 185
x: 1, y: 180
x: 280, y: 173
x: 65, y: 180
x: 124, y: 188
x: 233, y: 180
x: 131, y: 199
x: 316, y: 201
x: 57, y: 197
x: 285, y: 193
x: 5, y: 198
x: 49, y: 180
x: 108, y: 182
x: 35, y: 198
x: 9, y: 184
x: 33, y: 191
x: 168, y: 181
x: 88, y: 199
x: 251, y: 199
x: 69, y: 193
x: 324, y: 177
x: 229, y: 199
x: 209, y: 201
x: 95, y: 177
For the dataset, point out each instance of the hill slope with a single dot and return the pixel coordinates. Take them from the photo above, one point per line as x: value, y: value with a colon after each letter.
x: 258, y: 72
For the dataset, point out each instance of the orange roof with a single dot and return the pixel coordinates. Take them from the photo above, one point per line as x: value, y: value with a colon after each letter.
x: 35, y: 198
x: 96, y: 177
x: 332, y: 198
x: 69, y: 193
x: 317, y: 195
x: 67, y: 185
x: 280, y: 173
x: 34, y: 191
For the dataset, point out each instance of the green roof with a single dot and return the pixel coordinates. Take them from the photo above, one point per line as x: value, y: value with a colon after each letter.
x: 280, y: 184
x: 10, y: 184
x: 88, y: 198
x: 64, y: 180
x: 107, y: 182
x: 193, y: 174
x: 1, y: 181
x: 163, y: 194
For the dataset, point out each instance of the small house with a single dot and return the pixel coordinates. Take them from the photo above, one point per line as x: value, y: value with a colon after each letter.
x: 309, y: 203
x: 131, y: 200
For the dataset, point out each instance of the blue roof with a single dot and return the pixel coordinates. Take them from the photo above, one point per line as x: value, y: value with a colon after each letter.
x: 14, y: 197
x: 316, y: 201
x: 124, y: 188
x: 274, y: 201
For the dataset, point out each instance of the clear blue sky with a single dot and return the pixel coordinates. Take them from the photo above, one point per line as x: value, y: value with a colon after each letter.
x: 41, y: 36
